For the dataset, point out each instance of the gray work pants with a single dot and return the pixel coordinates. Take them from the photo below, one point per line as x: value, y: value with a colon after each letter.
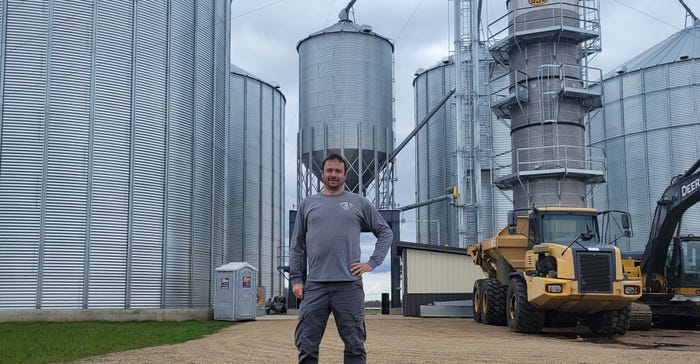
x: 347, y: 302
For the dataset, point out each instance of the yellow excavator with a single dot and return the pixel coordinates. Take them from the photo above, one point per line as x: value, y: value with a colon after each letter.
x: 551, y: 267
x: 669, y: 267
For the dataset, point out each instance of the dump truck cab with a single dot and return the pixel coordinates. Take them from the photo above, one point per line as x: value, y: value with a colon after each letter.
x: 562, y: 226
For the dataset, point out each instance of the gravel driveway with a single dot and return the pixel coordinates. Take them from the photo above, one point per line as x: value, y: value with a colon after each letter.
x: 398, y: 339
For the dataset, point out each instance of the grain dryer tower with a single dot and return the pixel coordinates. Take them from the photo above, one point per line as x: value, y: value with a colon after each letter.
x: 346, y: 107
x: 544, y: 45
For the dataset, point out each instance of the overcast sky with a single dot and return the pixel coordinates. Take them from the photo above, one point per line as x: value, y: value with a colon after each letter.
x: 265, y: 33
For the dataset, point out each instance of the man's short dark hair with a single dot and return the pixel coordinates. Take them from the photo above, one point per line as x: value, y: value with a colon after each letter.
x: 336, y: 157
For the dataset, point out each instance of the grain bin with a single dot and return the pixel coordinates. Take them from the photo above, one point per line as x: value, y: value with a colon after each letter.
x: 436, y: 151
x: 111, y: 167
x: 345, y: 104
x: 255, y: 172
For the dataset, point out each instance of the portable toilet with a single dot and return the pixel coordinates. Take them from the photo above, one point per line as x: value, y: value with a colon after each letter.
x: 236, y: 285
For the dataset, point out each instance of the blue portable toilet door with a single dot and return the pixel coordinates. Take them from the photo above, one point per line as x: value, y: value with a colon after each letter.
x: 245, y: 299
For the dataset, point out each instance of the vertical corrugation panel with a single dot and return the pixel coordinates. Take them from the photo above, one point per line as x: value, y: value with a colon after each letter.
x: 67, y: 158
x: 611, y: 89
x: 636, y: 173
x: 220, y: 110
x: 613, y: 119
x: 111, y: 150
x: 631, y: 84
x: 421, y: 155
x: 502, y: 198
x: 432, y: 159
x: 658, y: 142
x: 657, y: 112
x: 21, y: 158
x: 616, y: 172
x: 685, y: 156
x: 236, y: 167
x: 655, y: 78
x: 149, y: 165
x: 696, y: 72
x: 692, y: 215
x: 681, y: 106
x: 634, y: 114
x: 485, y: 117
x: 221, y: 77
x: 659, y: 153
x: 278, y: 163
x: 204, y: 145
x: 445, y: 212
x: 680, y: 74
x: 439, y: 161
x: 596, y: 129
x: 487, y: 201
x: 181, y: 155
x: 252, y: 152
x: 265, y: 242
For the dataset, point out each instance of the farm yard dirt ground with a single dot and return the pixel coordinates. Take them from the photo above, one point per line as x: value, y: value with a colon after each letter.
x: 398, y: 339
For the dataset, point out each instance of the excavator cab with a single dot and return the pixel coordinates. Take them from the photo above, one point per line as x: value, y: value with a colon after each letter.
x: 683, y: 262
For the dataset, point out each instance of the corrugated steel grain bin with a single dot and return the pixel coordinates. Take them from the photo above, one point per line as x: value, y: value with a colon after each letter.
x: 235, y: 298
x: 255, y: 175
x: 112, y: 153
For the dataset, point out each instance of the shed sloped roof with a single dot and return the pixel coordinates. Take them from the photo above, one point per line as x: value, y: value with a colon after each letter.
x: 682, y: 45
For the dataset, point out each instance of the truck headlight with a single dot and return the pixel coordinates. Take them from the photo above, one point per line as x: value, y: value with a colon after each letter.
x: 553, y: 288
x: 631, y: 290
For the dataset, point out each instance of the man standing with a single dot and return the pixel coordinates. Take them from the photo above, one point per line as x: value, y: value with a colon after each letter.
x: 327, y: 229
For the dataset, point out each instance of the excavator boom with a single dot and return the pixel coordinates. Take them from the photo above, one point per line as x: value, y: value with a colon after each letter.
x: 679, y: 196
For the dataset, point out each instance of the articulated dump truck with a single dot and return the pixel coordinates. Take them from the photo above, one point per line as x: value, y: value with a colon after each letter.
x: 551, y: 267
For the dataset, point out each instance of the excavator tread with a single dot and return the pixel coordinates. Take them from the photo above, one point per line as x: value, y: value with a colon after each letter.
x: 641, y: 317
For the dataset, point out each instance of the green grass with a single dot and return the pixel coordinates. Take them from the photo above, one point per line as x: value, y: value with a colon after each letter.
x: 47, y: 342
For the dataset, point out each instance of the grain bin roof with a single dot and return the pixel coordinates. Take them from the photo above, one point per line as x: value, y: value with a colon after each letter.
x: 346, y: 26
x: 680, y: 46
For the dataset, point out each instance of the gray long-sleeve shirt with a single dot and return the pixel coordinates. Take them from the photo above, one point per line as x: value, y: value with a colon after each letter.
x: 328, y: 228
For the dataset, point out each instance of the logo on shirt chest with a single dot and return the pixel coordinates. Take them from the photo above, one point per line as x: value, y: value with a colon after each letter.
x: 345, y: 205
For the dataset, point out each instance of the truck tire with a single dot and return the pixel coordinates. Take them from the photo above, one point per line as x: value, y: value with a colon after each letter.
x: 493, y: 301
x: 608, y: 323
x: 522, y: 316
x: 476, y: 299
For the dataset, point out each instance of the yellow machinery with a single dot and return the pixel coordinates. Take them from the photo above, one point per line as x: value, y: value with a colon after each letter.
x: 670, y: 263
x: 550, y: 266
